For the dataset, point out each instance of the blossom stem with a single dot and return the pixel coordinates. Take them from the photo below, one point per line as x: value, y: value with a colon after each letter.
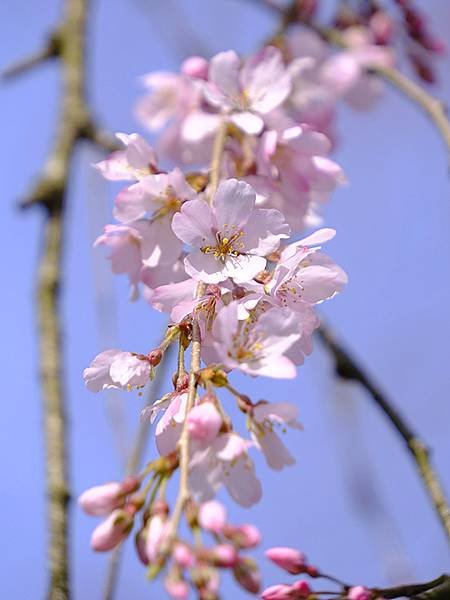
x: 347, y: 368
x: 219, y: 144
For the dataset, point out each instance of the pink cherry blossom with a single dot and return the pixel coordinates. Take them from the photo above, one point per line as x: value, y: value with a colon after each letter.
x: 264, y: 420
x: 212, y: 516
x: 289, y: 559
x: 204, y: 422
x: 231, y: 236
x: 250, y: 89
x: 224, y: 555
x: 243, y: 536
x: 117, y: 369
x: 225, y: 462
x: 135, y: 162
x: 156, y: 530
x: 111, y: 531
x: 247, y: 574
x: 125, y: 257
x: 256, y: 346
x: 183, y: 556
x: 176, y: 588
x: 102, y: 499
x: 169, y: 427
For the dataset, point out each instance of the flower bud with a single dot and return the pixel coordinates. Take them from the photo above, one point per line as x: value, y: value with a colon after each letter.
x: 301, y: 589
x: 176, y: 588
x: 238, y: 292
x: 280, y: 591
x: 111, y: 531
x: 212, y: 516
x: 289, y: 559
x: 183, y: 556
x: 246, y: 573
x: 244, y: 536
x: 196, y: 67
x: 155, y: 357
x: 182, y: 383
x: 102, y: 499
x: 140, y: 545
x: 204, y: 422
x: 359, y: 593
x: 224, y: 555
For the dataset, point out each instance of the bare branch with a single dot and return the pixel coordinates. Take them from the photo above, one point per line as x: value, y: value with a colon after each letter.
x: 348, y: 368
x: 50, y: 50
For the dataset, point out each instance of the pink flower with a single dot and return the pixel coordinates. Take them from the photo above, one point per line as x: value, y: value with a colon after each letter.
x: 301, y: 589
x: 256, y: 346
x: 135, y: 162
x: 117, y: 369
x: 125, y: 243
x: 212, y: 516
x: 359, y: 593
x: 289, y: 559
x: 111, y: 531
x: 225, y: 462
x: 232, y: 236
x: 102, y: 499
x: 195, y: 67
x: 265, y: 417
x: 169, y: 427
x: 248, y: 90
x: 305, y: 275
x: 204, y: 422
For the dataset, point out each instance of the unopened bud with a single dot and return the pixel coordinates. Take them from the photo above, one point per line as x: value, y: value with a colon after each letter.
x: 102, y: 499
x: 244, y: 536
x: 196, y: 67
x: 289, y: 559
x: 246, y: 573
x: 224, y: 555
x: 182, y: 382
x: 155, y: 357
x: 111, y: 531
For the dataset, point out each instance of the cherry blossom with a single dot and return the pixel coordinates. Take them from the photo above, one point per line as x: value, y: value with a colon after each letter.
x: 117, y: 369
x: 135, y: 162
x: 250, y: 89
x: 231, y: 236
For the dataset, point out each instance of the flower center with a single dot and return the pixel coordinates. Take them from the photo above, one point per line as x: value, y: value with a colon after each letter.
x: 225, y: 246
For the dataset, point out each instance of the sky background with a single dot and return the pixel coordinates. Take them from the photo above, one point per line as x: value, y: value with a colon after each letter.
x: 353, y: 501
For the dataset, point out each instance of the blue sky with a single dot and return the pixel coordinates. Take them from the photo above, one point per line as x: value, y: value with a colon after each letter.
x: 353, y: 502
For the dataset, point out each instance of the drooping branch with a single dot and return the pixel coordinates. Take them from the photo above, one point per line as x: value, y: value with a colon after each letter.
x: 74, y: 123
x: 348, y: 368
x: 433, y: 107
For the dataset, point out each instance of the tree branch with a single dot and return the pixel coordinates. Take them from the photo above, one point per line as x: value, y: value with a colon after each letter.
x: 434, y: 108
x: 348, y: 368
x: 74, y: 123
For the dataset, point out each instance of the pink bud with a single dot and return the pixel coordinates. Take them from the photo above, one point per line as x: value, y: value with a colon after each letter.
x: 289, y: 559
x: 111, y: 531
x: 224, y: 555
x: 280, y: 591
x: 359, y: 593
x: 382, y: 27
x: 155, y: 533
x: 204, y: 422
x: 155, y: 357
x: 246, y: 536
x: 301, y: 589
x: 183, y: 556
x: 196, y: 67
x: 140, y: 544
x: 246, y: 573
x: 212, y: 516
x: 102, y: 499
x: 177, y: 589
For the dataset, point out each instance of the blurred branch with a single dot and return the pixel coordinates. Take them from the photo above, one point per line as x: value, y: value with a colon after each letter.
x: 434, y: 108
x: 348, y: 368
x: 133, y: 464
x: 438, y: 589
x: 74, y: 123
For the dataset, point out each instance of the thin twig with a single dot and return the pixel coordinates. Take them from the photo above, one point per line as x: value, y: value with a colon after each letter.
x: 348, y: 368
x: 74, y: 123
x: 434, y: 108
x: 217, y: 151
x: 133, y: 464
x: 438, y: 589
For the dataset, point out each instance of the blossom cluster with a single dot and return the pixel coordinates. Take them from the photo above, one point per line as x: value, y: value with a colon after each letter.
x: 217, y: 249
